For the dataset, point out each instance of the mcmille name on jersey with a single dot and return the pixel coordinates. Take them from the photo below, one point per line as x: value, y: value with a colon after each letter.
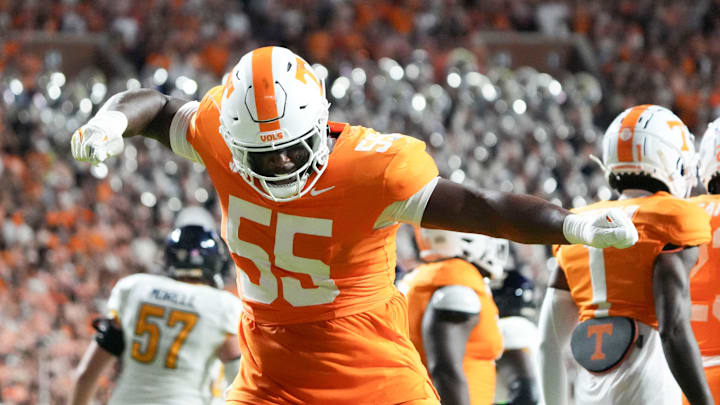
x: 174, y: 297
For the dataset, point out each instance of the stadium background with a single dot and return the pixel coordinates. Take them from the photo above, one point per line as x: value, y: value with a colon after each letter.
x: 508, y: 94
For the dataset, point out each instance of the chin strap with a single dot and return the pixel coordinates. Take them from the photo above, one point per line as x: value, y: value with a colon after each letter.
x: 599, y: 163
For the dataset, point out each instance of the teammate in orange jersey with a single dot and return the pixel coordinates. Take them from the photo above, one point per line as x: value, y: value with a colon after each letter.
x: 310, y: 209
x: 705, y: 276
x: 453, y: 318
x: 634, y: 333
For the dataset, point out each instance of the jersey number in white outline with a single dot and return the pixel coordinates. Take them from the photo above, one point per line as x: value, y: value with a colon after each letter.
x: 266, y: 289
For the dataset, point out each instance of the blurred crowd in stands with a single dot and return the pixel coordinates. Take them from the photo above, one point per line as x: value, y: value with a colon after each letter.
x: 419, y: 67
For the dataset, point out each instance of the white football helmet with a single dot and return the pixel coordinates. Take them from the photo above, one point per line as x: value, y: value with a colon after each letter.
x: 651, y: 140
x: 709, y: 153
x: 273, y: 100
x: 490, y: 254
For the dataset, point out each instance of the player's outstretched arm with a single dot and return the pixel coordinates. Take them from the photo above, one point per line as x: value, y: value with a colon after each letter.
x: 671, y: 289
x: 523, y: 218
x: 94, y: 362
x: 134, y: 112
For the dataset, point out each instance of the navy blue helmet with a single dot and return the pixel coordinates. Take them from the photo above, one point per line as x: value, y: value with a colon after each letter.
x: 516, y: 296
x: 195, y: 252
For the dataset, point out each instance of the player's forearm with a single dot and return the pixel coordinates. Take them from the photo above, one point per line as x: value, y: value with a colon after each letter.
x: 88, y: 372
x: 521, y: 218
x: 527, y: 219
x: 671, y: 290
x: 683, y: 358
x: 681, y: 351
x: 145, y: 110
x: 81, y: 394
x: 451, y: 385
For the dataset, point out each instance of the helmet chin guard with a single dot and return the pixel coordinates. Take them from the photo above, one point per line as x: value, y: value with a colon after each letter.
x: 273, y: 100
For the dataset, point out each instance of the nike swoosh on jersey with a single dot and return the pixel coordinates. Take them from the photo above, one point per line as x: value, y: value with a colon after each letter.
x: 315, y: 192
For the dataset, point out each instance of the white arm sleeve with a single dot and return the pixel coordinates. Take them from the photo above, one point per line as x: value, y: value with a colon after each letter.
x: 458, y: 298
x: 558, y: 318
x: 409, y: 211
x: 178, y: 132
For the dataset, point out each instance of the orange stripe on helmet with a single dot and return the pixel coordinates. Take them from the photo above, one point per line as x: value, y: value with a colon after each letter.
x: 264, y: 87
x: 627, y: 133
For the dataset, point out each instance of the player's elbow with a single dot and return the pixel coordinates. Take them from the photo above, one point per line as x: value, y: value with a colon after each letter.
x: 671, y: 331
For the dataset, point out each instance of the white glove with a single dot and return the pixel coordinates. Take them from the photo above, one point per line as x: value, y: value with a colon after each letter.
x: 100, y: 138
x: 601, y: 229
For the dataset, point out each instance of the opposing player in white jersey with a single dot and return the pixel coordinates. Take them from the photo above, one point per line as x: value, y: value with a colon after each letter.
x: 168, y: 332
x: 516, y: 370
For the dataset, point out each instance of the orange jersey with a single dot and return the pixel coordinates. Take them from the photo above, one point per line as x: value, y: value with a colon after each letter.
x: 612, y: 282
x: 485, y: 341
x: 321, y: 256
x: 364, y: 358
x: 705, y: 283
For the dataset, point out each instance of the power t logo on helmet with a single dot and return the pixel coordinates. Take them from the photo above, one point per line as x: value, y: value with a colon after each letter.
x: 274, y: 103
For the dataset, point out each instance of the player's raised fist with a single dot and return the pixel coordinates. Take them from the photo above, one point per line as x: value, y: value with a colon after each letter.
x: 601, y: 229
x: 100, y: 138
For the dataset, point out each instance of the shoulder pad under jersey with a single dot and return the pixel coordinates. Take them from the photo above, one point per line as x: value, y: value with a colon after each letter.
x: 458, y: 298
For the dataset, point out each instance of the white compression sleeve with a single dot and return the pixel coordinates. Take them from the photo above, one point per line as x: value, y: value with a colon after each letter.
x: 558, y: 318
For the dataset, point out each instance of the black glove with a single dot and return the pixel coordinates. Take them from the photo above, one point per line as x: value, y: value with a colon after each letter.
x: 109, y: 336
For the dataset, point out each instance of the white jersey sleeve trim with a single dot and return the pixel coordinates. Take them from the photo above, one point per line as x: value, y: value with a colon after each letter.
x: 458, y: 298
x: 409, y: 211
x: 518, y: 333
x: 178, y: 132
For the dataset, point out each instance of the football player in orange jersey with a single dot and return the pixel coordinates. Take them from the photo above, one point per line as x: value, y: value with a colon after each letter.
x: 705, y: 276
x: 453, y: 318
x: 634, y: 333
x: 310, y: 209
